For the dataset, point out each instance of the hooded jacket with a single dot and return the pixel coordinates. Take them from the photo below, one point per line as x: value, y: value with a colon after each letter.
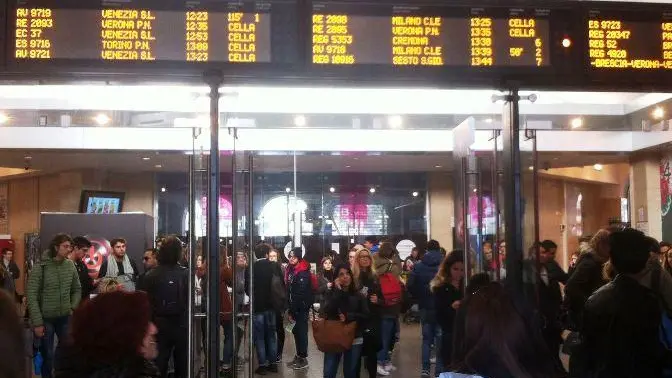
x: 422, y: 274
x: 299, y: 287
x: 53, y: 290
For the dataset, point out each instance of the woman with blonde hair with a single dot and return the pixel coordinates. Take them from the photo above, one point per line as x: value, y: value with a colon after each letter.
x: 367, y: 283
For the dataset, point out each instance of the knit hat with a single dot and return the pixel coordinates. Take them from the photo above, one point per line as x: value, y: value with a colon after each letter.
x: 296, y: 252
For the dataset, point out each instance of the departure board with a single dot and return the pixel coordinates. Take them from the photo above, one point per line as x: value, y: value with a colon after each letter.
x: 614, y: 43
x: 141, y: 35
x: 517, y: 38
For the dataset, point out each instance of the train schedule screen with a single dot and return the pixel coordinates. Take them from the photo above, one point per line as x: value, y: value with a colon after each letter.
x: 617, y: 44
x: 141, y: 35
x: 408, y: 40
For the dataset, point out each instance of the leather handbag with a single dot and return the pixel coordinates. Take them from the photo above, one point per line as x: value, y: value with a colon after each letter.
x: 333, y: 336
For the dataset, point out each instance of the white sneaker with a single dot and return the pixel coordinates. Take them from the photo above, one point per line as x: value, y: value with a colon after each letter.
x: 381, y: 371
x: 389, y: 367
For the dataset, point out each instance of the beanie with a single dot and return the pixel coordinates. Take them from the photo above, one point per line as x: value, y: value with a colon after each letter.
x: 296, y: 252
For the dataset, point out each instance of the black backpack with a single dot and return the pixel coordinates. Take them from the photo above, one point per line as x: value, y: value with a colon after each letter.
x: 171, y: 292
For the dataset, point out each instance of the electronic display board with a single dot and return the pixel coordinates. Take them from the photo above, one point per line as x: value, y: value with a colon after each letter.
x: 629, y: 39
x: 145, y: 31
x: 430, y: 36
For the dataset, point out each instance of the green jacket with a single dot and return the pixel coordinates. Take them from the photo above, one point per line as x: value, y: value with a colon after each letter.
x: 53, y: 290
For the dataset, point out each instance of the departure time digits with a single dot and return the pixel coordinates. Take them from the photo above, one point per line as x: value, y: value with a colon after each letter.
x: 608, y: 42
x: 197, y: 36
x: 32, y: 26
x: 480, y: 31
x: 332, y: 40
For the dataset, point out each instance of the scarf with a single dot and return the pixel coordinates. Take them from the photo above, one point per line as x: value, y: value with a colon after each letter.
x: 125, y: 280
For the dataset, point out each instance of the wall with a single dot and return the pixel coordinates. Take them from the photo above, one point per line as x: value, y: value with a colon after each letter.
x: 28, y: 197
x: 645, y: 205
x: 441, y: 208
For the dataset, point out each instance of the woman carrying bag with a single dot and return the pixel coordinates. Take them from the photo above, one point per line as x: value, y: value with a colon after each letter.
x: 343, y: 306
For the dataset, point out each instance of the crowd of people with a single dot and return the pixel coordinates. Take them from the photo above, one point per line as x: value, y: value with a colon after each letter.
x: 609, y: 313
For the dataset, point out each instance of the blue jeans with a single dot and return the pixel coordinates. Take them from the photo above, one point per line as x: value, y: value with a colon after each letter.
x: 52, y: 327
x: 300, y: 332
x: 265, y: 340
x: 387, y: 329
x: 431, y: 335
x: 350, y: 359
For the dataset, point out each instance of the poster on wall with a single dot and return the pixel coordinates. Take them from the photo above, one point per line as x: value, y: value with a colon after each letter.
x: 666, y: 196
x: 4, y: 211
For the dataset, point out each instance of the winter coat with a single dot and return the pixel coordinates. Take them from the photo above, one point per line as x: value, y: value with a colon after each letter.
x: 323, y: 280
x: 53, y: 290
x: 299, y: 287
x: 584, y: 281
x: 423, y: 273
x: 351, y: 304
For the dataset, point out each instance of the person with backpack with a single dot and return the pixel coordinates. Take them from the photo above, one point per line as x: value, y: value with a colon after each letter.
x: 53, y: 293
x: 388, y: 269
x: 268, y: 285
x: 300, y: 289
x: 419, y: 287
x: 167, y: 286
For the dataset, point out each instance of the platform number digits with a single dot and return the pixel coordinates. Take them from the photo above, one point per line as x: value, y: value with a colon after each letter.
x: 32, y: 26
x: 197, y: 36
x: 481, y: 41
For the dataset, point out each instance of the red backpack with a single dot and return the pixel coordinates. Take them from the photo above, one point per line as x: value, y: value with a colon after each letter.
x: 391, y: 288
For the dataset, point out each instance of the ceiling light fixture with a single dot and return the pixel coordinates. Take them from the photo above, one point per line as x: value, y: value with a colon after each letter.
x: 415, y: 194
x: 102, y: 119
x: 658, y: 113
x: 300, y: 121
x: 598, y: 167
x: 145, y: 158
x: 158, y: 166
x: 438, y: 166
x: 566, y: 42
x: 395, y: 121
x: 531, y: 168
x: 4, y: 118
x: 347, y: 166
x: 288, y: 189
x: 332, y: 189
x: 372, y: 190
x: 163, y: 189
x: 576, y: 122
x: 488, y: 120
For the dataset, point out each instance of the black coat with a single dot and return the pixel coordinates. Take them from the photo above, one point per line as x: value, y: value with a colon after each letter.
x: 621, y: 332
x: 70, y: 363
x: 84, y: 279
x: 264, y: 270
x: 351, y: 304
x: 584, y: 281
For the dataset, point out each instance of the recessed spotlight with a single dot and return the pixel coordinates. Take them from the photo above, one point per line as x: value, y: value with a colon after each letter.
x: 4, y: 118
x: 158, y: 166
x: 288, y: 189
x: 332, y: 189
x: 658, y: 113
x: 163, y: 189
x: 395, y: 121
x: 102, y: 119
x: 531, y: 168
x: 347, y: 166
x: 438, y: 166
x: 475, y: 190
x: 300, y: 121
x: 566, y: 42
x: 598, y: 167
x: 415, y: 194
x: 576, y: 122
x: 372, y: 190
x: 145, y: 158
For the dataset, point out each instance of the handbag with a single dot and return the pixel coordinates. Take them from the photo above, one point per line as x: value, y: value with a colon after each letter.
x: 333, y: 336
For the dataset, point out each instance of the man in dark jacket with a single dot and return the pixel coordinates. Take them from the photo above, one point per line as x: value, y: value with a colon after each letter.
x: 622, y: 319
x: 418, y: 285
x: 265, y: 340
x: 167, y: 286
x: 300, y: 294
x: 80, y: 247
